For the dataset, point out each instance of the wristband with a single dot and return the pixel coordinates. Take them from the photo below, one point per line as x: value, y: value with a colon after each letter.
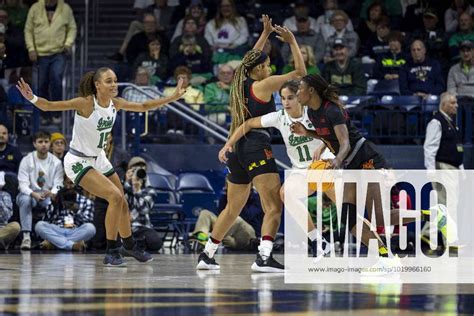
x: 34, y: 100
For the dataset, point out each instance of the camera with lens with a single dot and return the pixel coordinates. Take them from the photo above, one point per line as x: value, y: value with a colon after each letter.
x: 140, y: 173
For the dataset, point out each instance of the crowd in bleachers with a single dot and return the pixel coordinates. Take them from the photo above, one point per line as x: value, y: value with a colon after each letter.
x: 366, y: 32
x: 416, y: 47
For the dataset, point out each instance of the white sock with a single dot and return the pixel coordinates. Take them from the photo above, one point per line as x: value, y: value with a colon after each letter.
x: 26, y: 235
x: 314, y: 235
x: 265, y: 248
x: 210, y: 248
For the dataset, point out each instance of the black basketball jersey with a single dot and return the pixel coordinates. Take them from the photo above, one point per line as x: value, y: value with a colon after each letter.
x: 255, y: 106
x: 325, y: 118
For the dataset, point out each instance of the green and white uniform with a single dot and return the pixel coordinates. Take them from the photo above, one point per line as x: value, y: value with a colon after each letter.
x: 89, y: 136
x: 299, y: 149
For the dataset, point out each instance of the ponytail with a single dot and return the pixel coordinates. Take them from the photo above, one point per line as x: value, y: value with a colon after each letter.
x: 87, y: 83
x: 325, y: 90
x: 238, y: 110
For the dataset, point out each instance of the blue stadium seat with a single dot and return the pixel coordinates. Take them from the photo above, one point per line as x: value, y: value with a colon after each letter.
x: 385, y: 87
x: 163, y: 187
x: 407, y: 102
x: 193, y: 182
x: 356, y: 101
x: 195, y: 191
x: 431, y: 104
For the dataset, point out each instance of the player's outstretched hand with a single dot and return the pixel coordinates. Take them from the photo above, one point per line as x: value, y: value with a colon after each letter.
x: 24, y: 89
x: 267, y: 24
x: 223, y: 153
x: 284, y: 34
x: 179, y: 91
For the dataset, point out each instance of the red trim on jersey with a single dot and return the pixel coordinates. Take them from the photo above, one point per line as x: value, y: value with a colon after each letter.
x: 255, y: 97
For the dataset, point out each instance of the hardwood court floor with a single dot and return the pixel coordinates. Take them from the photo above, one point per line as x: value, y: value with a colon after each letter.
x: 54, y: 283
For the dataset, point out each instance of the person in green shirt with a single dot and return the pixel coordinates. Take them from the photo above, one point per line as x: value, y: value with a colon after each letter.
x: 216, y: 94
x: 309, y: 61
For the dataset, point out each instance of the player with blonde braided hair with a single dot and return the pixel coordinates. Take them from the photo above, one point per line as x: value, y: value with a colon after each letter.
x: 251, y: 162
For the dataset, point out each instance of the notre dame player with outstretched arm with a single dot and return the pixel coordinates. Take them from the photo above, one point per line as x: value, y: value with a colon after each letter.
x: 86, y: 164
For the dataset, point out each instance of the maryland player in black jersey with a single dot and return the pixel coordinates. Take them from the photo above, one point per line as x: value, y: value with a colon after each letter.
x: 252, y: 162
x: 333, y: 126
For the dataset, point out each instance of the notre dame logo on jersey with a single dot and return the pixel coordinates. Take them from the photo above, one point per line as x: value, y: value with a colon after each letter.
x: 77, y: 167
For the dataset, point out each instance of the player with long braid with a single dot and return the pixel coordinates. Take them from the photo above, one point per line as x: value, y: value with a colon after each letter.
x: 252, y: 162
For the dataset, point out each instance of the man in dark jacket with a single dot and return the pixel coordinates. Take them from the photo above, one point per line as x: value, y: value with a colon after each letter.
x: 10, y: 156
x: 344, y: 72
x: 421, y: 75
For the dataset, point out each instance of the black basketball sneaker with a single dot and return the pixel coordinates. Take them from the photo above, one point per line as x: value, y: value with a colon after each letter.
x: 268, y: 265
x: 206, y: 263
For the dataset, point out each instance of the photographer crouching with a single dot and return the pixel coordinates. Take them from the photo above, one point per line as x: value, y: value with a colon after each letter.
x: 67, y: 222
x: 141, y: 199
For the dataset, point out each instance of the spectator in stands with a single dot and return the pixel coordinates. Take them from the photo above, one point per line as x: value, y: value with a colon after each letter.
x: 351, y: 40
x: 377, y: 43
x: 368, y: 27
x: 461, y: 75
x: 17, y: 12
x: 40, y: 177
x: 191, y: 55
x: 434, y: 37
x: 190, y: 27
x: 10, y: 156
x: 143, y: 80
x: 139, y: 42
x: 67, y: 224
x: 163, y: 11
x: 47, y: 41
x: 306, y: 36
x: 141, y: 6
x: 144, y: 7
x: 388, y: 65
x: 421, y: 75
x: 453, y: 13
x: 243, y: 232
x: 194, y: 11
x: 141, y: 200
x: 392, y: 7
x: 8, y: 231
x: 216, y: 94
x: 15, y: 48
x: 58, y: 145
x: 345, y: 72
x: 155, y: 62
x: 443, y: 147
x: 309, y: 61
x: 273, y: 51
x: 323, y: 22
x: 193, y: 97
x: 227, y: 31
x: 300, y: 10
x: 465, y: 33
